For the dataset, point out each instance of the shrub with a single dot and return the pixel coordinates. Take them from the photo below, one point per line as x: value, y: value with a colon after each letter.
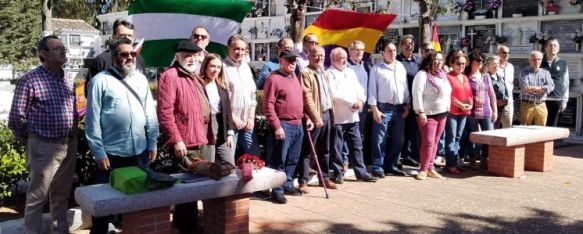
x: 12, y: 162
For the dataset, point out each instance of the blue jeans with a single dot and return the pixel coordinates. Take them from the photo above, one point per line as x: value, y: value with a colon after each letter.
x: 441, y: 145
x: 484, y: 125
x: 247, y: 140
x: 387, y: 138
x: 287, y: 152
x: 101, y: 224
x: 348, y: 133
x: 454, y: 128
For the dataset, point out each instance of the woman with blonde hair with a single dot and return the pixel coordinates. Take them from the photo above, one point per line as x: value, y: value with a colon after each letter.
x: 502, y: 95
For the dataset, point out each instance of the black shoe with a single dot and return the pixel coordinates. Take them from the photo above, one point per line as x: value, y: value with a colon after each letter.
x: 369, y: 179
x: 338, y: 179
x: 400, y: 166
x: 396, y: 172
x: 278, y: 198
x: 410, y: 162
x: 260, y: 195
x: 292, y: 192
x: 378, y: 174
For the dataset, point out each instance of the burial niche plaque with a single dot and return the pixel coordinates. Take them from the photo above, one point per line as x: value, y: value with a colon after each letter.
x: 563, y: 31
x: 479, y: 34
x: 524, y: 7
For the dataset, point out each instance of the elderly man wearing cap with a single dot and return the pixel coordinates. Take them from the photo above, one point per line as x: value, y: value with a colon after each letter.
x: 184, y: 113
x: 284, y: 109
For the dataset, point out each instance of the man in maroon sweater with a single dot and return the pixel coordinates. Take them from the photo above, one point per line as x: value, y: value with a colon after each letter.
x: 284, y: 109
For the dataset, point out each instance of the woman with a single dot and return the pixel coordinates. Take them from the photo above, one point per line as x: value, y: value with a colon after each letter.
x: 212, y: 75
x: 461, y: 106
x: 484, y: 109
x: 431, y: 101
x: 499, y: 85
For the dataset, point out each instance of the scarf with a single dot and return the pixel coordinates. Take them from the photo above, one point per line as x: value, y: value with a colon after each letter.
x: 433, y: 82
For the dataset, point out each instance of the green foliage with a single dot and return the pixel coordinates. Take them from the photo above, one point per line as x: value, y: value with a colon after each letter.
x: 75, y: 9
x: 12, y: 161
x: 20, y: 23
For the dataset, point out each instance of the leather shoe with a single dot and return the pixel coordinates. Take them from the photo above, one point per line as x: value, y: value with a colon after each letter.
x: 369, y: 179
x: 397, y: 172
x: 410, y: 162
x: 292, y: 192
x: 338, y: 179
x: 329, y: 185
x: 278, y: 198
x: 304, y: 188
x: 378, y: 174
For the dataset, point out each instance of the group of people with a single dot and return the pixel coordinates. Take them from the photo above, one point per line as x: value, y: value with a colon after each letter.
x: 206, y: 107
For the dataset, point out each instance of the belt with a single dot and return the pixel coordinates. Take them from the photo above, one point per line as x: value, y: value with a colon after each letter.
x: 326, y: 112
x: 51, y: 140
x: 535, y: 102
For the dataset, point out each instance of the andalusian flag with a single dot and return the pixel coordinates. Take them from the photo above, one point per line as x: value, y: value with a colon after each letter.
x: 435, y: 39
x: 162, y: 23
x: 336, y: 27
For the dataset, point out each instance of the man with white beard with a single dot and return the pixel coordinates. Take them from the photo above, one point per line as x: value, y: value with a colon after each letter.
x: 121, y: 124
x: 184, y: 114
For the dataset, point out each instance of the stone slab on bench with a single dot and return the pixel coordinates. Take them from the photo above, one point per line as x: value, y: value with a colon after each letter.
x: 102, y: 200
x: 511, y: 150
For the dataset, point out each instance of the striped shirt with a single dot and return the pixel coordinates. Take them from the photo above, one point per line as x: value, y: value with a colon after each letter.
x: 540, y: 78
x: 242, y: 89
x: 484, y: 97
x: 43, y: 104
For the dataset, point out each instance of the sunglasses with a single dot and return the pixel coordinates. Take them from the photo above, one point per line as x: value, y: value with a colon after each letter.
x: 197, y: 36
x: 504, y: 52
x: 460, y: 64
x: 127, y: 54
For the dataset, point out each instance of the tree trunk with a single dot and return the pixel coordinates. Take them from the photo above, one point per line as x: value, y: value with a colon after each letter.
x: 427, y: 11
x: 46, y: 14
x: 298, y: 15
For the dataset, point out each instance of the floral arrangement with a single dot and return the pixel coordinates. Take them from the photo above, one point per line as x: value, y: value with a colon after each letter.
x: 465, y: 42
x: 247, y: 163
x: 539, y: 37
x: 468, y: 6
x: 253, y: 30
x: 552, y: 6
x: 276, y: 32
x: 494, y: 4
x: 575, y: 2
x: 578, y: 39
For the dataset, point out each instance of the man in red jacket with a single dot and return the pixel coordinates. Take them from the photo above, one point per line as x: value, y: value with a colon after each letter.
x: 183, y: 115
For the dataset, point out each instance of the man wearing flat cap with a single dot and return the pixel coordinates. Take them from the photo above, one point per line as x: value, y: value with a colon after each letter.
x: 184, y: 115
x: 284, y: 109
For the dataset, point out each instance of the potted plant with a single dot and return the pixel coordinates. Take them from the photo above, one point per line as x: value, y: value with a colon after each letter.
x: 517, y: 13
x: 578, y: 39
x: 493, y: 6
x: 575, y: 2
x: 552, y: 8
x: 468, y: 6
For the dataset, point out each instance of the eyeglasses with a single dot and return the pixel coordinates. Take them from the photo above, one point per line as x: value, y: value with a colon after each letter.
x: 127, y: 54
x: 58, y: 48
x: 197, y: 36
x: 505, y: 52
x: 313, y: 42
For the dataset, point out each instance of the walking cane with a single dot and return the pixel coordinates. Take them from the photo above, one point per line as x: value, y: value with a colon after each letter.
x: 315, y: 156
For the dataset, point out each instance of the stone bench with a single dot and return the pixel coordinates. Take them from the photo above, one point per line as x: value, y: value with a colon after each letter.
x: 512, y: 150
x: 225, y: 202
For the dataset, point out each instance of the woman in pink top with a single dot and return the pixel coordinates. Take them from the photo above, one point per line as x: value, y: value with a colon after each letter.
x: 461, y: 106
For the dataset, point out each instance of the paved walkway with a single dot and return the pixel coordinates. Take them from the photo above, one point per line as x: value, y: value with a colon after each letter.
x: 550, y: 202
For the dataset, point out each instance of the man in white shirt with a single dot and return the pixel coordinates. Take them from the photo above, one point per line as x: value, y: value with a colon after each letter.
x: 389, y: 100
x: 348, y: 99
x: 242, y: 92
x: 507, y: 70
x: 310, y: 40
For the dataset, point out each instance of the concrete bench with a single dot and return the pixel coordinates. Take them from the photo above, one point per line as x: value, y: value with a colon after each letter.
x: 225, y: 202
x: 512, y: 150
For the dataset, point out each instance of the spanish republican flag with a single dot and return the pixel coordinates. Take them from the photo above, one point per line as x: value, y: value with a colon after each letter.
x: 336, y: 27
x: 435, y: 39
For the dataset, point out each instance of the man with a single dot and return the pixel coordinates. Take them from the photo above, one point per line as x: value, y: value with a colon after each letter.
x: 348, y: 100
x: 242, y: 93
x: 410, y: 150
x: 507, y: 70
x: 121, y: 124
x: 182, y: 97
x: 284, y: 110
x: 535, y: 84
x: 310, y: 40
x: 43, y: 117
x: 121, y: 28
x: 389, y: 100
x: 285, y: 43
x: 557, y: 99
x: 318, y: 107
x: 200, y: 37
x: 426, y: 48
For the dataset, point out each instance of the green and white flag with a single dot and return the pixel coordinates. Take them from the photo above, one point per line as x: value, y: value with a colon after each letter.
x: 162, y: 23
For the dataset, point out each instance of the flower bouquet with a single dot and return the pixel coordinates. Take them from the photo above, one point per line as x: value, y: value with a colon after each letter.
x: 247, y: 163
x: 468, y: 6
x: 494, y: 5
x: 552, y: 8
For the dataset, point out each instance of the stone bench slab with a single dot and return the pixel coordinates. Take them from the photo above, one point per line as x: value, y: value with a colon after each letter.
x: 102, y: 200
x: 519, y: 135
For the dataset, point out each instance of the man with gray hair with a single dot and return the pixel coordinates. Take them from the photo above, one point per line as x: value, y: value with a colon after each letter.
x: 43, y: 116
x: 557, y: 99
x: 507, y: 70
x: 535, y: 84
x: 285, y: 43
x: 309, y: 41
x: 200, y: 37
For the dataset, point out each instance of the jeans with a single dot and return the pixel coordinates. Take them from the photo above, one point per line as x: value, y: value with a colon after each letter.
x: 247, y: 140
x: 553, y: 110
x: 350, y: 134
x: 287, y: 153
x: 387, y: 138
x: 321, y: 141
x: 410, y: 147
x: 441, y: 145
x: 454, y: 128
x: 430, y: 134
x: 100, y: 224
x: 484, y: 125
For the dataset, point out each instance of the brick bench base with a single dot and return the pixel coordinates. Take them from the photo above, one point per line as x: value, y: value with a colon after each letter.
x: 511, y: 161
x: 151, y: 221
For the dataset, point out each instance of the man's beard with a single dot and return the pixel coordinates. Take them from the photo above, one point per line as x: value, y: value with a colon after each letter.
x: 192, y: 68
x: 128, y: 68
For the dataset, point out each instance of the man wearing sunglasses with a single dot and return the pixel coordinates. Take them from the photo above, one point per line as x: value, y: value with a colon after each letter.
x: 310, y: 40
x: 43, y: 116
x: 200, y: 37
x: 121, y: 124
